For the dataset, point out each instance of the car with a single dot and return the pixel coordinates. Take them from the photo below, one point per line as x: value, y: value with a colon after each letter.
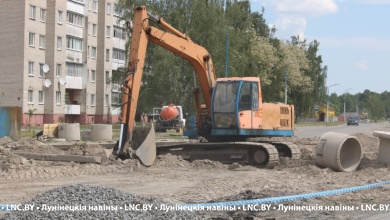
x: 353, y: 120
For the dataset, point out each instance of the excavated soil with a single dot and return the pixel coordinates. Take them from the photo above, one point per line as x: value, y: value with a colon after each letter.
x: 176, y: 181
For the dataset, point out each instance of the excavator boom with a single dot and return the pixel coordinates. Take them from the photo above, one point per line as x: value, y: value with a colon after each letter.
x: 233, y: 109
x: 132, y: 139
x: 179, y: 44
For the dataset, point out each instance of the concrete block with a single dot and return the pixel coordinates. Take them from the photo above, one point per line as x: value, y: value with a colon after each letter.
x: 384, y: 147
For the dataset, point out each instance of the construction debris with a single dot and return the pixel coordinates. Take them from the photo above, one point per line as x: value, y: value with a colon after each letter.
x: 59, y: 157
x: 96, y: 202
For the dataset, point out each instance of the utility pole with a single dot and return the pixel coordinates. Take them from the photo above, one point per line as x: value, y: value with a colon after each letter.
x: 345, y: 118
x: 327, y: 104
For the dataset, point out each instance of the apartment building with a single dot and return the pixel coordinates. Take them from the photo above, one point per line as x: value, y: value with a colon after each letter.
x: 57, y: 58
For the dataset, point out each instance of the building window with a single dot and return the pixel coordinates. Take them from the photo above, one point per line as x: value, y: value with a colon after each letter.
x: 94, y: 29
x: 117, y: 10
x: 74, y: 43
x: 58, y: 69
x: 74, y: 69
x: 107, y: 77
x: 43, y: 15
x: 106, y: 100
x: 59, y: 43
x: 108, y: 30
x: 93, y: 75
x: 59, y: 21
x: 94, y: 5
x: 42, y: 41
x: 41, y: 70
x: 92, y: 100
x: 31, y: 39
x: 107, y: 54
x: 31, y: 68
x: 32, y: 12
x: 119, y: 32
x: 93, y: 52
x: 41, y: 97
x: 118, y: 54
x: 108, y: 8
x: 30, y: 97
x: 116, y: 87
x: 74, y: 18
x: 58, y: 98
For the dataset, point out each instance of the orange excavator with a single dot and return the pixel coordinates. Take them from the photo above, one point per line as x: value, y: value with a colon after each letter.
x: 232, y: 113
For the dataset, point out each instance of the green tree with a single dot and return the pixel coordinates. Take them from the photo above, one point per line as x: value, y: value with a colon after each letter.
x: 309, y: 87
x: 385, y: 98
x: 253, y: 51
x: 335, y: 103
x: 30, y: 113
x: 350, y: 103
x: 318, y: 74
x: 371, y: 103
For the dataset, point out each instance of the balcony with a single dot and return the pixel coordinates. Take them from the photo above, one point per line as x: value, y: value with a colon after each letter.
x: 74, y: 56
x: 119, y: 43
x: 72, y: 109
x: 73, y: 82
x: 76, y: 6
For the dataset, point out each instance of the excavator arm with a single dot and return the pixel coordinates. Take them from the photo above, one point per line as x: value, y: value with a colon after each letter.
x: 139, y: 142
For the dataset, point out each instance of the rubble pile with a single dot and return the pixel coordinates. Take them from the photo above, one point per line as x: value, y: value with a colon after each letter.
x: 96, y: 202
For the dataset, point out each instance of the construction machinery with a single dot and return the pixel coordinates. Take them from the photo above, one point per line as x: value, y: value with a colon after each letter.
x: 168, y: 117
x: 232, y: 112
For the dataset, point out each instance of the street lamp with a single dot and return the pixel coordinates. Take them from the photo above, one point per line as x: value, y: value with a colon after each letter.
x: 327, y: 104
x: 345, y: 118
x: 285, y: 80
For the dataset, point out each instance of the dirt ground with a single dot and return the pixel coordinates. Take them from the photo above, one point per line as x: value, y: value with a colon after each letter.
x: 177, y: 181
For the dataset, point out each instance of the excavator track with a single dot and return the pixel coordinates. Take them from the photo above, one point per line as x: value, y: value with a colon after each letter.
x: 257, y: 153
x: 293, y: 150
x: 273, y: 154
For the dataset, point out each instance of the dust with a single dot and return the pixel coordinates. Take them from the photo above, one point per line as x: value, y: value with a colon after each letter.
x: 9, y: 160
x: 87, y: 149
x: 205, y: 180
x: 17, y: 168
x: 39, y: 149
x: 5, y: 140
x: 208, y: 164
x: 9, y: 143
x: 170, y: 160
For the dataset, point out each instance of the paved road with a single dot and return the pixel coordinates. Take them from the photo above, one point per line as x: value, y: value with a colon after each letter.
x: 316, y: 131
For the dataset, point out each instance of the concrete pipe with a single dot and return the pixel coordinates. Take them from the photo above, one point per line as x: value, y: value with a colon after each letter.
x: 101, y: 132
x: 70, y: 132
x: 384, y: 147
x: 340, y: 152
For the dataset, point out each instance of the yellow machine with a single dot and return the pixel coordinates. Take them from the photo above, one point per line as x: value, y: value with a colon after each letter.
x: 233, y: 110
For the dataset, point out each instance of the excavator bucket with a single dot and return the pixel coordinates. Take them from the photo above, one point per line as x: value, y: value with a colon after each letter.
x: 144, y: 144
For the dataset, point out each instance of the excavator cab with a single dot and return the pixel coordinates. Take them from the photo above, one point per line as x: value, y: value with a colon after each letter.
x: 235, y: 107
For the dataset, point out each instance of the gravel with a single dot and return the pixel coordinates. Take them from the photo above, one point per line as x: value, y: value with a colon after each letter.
x: 96, y: 202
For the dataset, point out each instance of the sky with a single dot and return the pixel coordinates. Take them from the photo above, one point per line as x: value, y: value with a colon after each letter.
x: 354, y: 37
